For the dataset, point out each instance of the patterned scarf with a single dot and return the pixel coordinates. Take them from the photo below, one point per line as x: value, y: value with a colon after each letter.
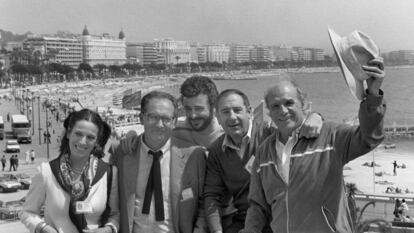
x: 78, y: 189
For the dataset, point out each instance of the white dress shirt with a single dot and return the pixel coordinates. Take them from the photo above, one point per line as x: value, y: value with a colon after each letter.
x: 146, y: 222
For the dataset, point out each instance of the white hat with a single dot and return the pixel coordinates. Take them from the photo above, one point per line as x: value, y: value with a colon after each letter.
x: 352, y: 52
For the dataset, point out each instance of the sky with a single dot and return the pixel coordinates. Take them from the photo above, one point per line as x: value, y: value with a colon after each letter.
x: 269, y: 22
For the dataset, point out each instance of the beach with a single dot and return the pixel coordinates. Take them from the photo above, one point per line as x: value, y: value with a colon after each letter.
x: 364, y: 178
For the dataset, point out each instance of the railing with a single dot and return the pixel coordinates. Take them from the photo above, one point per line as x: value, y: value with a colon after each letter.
x: 384, y: 205
x: 122, y: 124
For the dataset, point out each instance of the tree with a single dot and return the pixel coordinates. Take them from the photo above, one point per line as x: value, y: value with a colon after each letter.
x: 100, y: 67
x: 85, y: 67
x: 194, y: 66
x: 114, y: 69
x: 351, y: 191
x: 18, y: 68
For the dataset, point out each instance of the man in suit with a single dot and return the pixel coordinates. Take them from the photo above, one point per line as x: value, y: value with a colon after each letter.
x: 159, y: 184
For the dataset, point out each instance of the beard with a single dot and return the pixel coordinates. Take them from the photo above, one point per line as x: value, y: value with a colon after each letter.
x: 206, y: 121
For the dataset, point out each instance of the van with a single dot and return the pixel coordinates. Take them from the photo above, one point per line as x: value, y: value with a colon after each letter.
x: 21, y: 128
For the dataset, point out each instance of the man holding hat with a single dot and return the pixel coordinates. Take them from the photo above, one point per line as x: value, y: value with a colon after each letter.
x: 297, y: 183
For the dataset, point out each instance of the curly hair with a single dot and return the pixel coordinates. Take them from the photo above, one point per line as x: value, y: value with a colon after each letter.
x: 91, y: 116
x: 196, y: 85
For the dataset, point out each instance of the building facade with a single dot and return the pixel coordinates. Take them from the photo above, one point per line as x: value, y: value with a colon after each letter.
x: 218, y: 53
x: 103, y: 49
x: 145, y: 53
x: 239, y: 53
x: 67, y: 51
x: 259, y: 53
x: 173, y: 51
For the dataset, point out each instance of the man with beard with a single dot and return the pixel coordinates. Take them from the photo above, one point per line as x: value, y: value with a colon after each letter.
x: 200, y: 127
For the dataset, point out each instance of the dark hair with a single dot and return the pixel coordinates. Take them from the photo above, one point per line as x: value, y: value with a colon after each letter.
x: 88, y: 115
x: 196, y: 85
x: 159, y: 95
x: 233, y: 91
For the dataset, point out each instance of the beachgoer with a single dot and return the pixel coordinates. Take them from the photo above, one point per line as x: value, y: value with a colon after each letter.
x: 395, y: 167
x: 32, y: 155
x: 3, y: 162
x: 79, y: 191
x: 48, y: 137
x: 404, y: 208
x: 27, y: 158
x: 11, y: 161
x: 44, y: 136
x: 397, y: 208
x: 298, y: 183
x: 15, y: 161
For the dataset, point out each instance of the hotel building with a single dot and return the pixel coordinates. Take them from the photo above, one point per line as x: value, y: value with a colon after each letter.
x: 239, y: 53
x: 66, y: 51
x: 103, y: 49
x: 173, y: 51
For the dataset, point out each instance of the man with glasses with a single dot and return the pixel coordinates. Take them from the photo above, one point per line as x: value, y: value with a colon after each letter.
x: 159, y: 183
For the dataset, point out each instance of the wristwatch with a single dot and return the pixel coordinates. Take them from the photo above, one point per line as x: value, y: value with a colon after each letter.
x: 39, y: 227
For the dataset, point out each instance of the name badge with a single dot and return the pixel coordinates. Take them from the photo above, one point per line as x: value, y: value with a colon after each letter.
x: 249, y: 164
x: 187, y: 194
x: 83, y: 207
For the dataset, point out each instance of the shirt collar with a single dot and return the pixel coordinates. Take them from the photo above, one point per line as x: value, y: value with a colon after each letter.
x: 165, y: 148
x: 227, y: 142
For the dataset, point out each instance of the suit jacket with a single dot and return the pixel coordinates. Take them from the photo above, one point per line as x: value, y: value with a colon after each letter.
x: 187, y: 171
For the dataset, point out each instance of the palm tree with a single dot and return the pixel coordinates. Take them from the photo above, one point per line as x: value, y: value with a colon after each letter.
x: 351, y: 191
x: 363, y: 226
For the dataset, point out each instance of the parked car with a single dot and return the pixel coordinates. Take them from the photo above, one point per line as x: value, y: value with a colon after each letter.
x: 10, y: 209
x: 12, y: 146
x: 8, y: 185
x: 390, y: 145
x: 24, y: 179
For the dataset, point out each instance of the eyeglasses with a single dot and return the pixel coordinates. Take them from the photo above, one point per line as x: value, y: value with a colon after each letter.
x: 154, y: 118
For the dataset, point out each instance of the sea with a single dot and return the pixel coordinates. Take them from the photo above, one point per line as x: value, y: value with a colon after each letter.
x: 330, y: 96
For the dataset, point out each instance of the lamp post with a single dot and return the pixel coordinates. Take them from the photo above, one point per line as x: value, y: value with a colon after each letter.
x: 32, y: 97
x: 27, y: 103
x: 38, y: 116
x: 21, y: 102
x: 47, y: 131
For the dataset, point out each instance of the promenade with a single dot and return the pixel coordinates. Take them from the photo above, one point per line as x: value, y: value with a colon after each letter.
x: 40, y: 150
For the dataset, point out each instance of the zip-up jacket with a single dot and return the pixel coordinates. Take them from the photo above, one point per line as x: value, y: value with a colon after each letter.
x: 314, y: 200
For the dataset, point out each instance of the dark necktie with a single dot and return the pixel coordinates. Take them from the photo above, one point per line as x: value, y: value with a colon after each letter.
x: 154, y: 186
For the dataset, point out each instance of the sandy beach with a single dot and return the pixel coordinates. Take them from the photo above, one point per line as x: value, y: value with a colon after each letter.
x: 363, y: 176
